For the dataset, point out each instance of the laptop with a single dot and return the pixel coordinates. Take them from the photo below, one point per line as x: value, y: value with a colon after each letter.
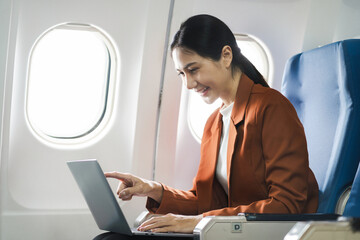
x: 101, y: 200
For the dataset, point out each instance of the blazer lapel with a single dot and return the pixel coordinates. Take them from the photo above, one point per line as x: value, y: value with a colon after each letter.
x: 210, y: 146
x: 237, y: 115
x: 207, y: 167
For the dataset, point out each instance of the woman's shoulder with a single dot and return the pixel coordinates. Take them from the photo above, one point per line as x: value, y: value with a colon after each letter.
x: 266, y: 96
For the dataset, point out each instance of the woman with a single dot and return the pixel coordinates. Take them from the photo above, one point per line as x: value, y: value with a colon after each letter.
x: 253, y: 152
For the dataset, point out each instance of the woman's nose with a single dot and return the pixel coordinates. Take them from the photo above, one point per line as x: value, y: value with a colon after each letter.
x: 190, y: 82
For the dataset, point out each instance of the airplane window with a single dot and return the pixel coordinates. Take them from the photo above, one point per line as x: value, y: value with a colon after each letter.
x: 199, y: 111
x: 68, y: 81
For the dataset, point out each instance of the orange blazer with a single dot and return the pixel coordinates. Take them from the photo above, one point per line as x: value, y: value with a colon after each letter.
x: 267, y: 161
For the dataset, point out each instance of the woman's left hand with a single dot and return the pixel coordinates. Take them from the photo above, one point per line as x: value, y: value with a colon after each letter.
x: 171, y: 223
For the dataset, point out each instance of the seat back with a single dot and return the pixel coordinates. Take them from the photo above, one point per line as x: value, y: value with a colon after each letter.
x: 352, y: 208
x: 323, y: 84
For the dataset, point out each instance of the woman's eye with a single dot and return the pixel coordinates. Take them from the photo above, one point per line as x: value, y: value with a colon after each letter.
x: 180, y: 73
x: 193, y: 70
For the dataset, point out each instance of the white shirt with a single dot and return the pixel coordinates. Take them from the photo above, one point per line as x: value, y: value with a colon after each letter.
x: 221, y: 166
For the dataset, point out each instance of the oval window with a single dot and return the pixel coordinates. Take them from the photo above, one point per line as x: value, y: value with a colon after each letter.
x: 199, y: 111
x: 70, y: 70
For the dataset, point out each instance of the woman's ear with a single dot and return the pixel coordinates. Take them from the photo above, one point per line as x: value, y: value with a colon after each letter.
x: 227, y: 56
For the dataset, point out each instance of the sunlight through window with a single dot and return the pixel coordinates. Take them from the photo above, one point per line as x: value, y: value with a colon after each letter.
x: 68, y: 82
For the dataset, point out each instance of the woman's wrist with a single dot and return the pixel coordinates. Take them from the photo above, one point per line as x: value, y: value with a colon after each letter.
x: 156, y: 191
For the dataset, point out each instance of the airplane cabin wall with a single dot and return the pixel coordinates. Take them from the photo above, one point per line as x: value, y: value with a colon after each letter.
x: 5, y: 12
x: 331, y: 21
x: 39, y: 197
x: 139, y: 131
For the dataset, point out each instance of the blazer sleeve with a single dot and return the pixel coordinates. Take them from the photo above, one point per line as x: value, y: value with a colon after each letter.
x: 174, y: 201
x: 286, y: 157
x: 288, y: 177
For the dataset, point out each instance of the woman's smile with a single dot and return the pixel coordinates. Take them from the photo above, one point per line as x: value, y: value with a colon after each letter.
x: 202, y: 91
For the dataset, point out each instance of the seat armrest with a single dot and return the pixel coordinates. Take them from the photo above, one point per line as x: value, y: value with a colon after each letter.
x: 238, y: 227
x: 290, y: 217
x: 254, y: 226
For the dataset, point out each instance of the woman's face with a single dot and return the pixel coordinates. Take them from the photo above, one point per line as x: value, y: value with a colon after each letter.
x: 208, y: 78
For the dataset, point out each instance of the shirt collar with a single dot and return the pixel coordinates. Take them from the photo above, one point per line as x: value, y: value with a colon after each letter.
x: 242, y: 98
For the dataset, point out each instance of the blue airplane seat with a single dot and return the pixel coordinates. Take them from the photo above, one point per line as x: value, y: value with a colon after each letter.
x: 352, y: 208
x: 323, y: 84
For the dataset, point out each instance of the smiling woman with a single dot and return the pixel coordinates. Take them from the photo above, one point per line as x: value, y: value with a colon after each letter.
x: 206, y: 77
x: 253, y: 154
x: 199, y: 111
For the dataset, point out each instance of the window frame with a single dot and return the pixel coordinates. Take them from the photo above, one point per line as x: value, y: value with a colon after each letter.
x: 265, y: 52
x: 110, y: 81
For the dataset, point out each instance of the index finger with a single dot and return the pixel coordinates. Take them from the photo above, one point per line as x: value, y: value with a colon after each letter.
x: 117, y: 175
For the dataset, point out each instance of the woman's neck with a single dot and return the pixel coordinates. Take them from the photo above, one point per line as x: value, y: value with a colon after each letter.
x: 233, y: 86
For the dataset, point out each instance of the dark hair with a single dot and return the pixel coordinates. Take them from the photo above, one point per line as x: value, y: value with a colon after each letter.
x: 207, y: 35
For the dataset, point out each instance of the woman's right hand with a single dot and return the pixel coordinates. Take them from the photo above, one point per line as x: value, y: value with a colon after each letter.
x: 131, y: 185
